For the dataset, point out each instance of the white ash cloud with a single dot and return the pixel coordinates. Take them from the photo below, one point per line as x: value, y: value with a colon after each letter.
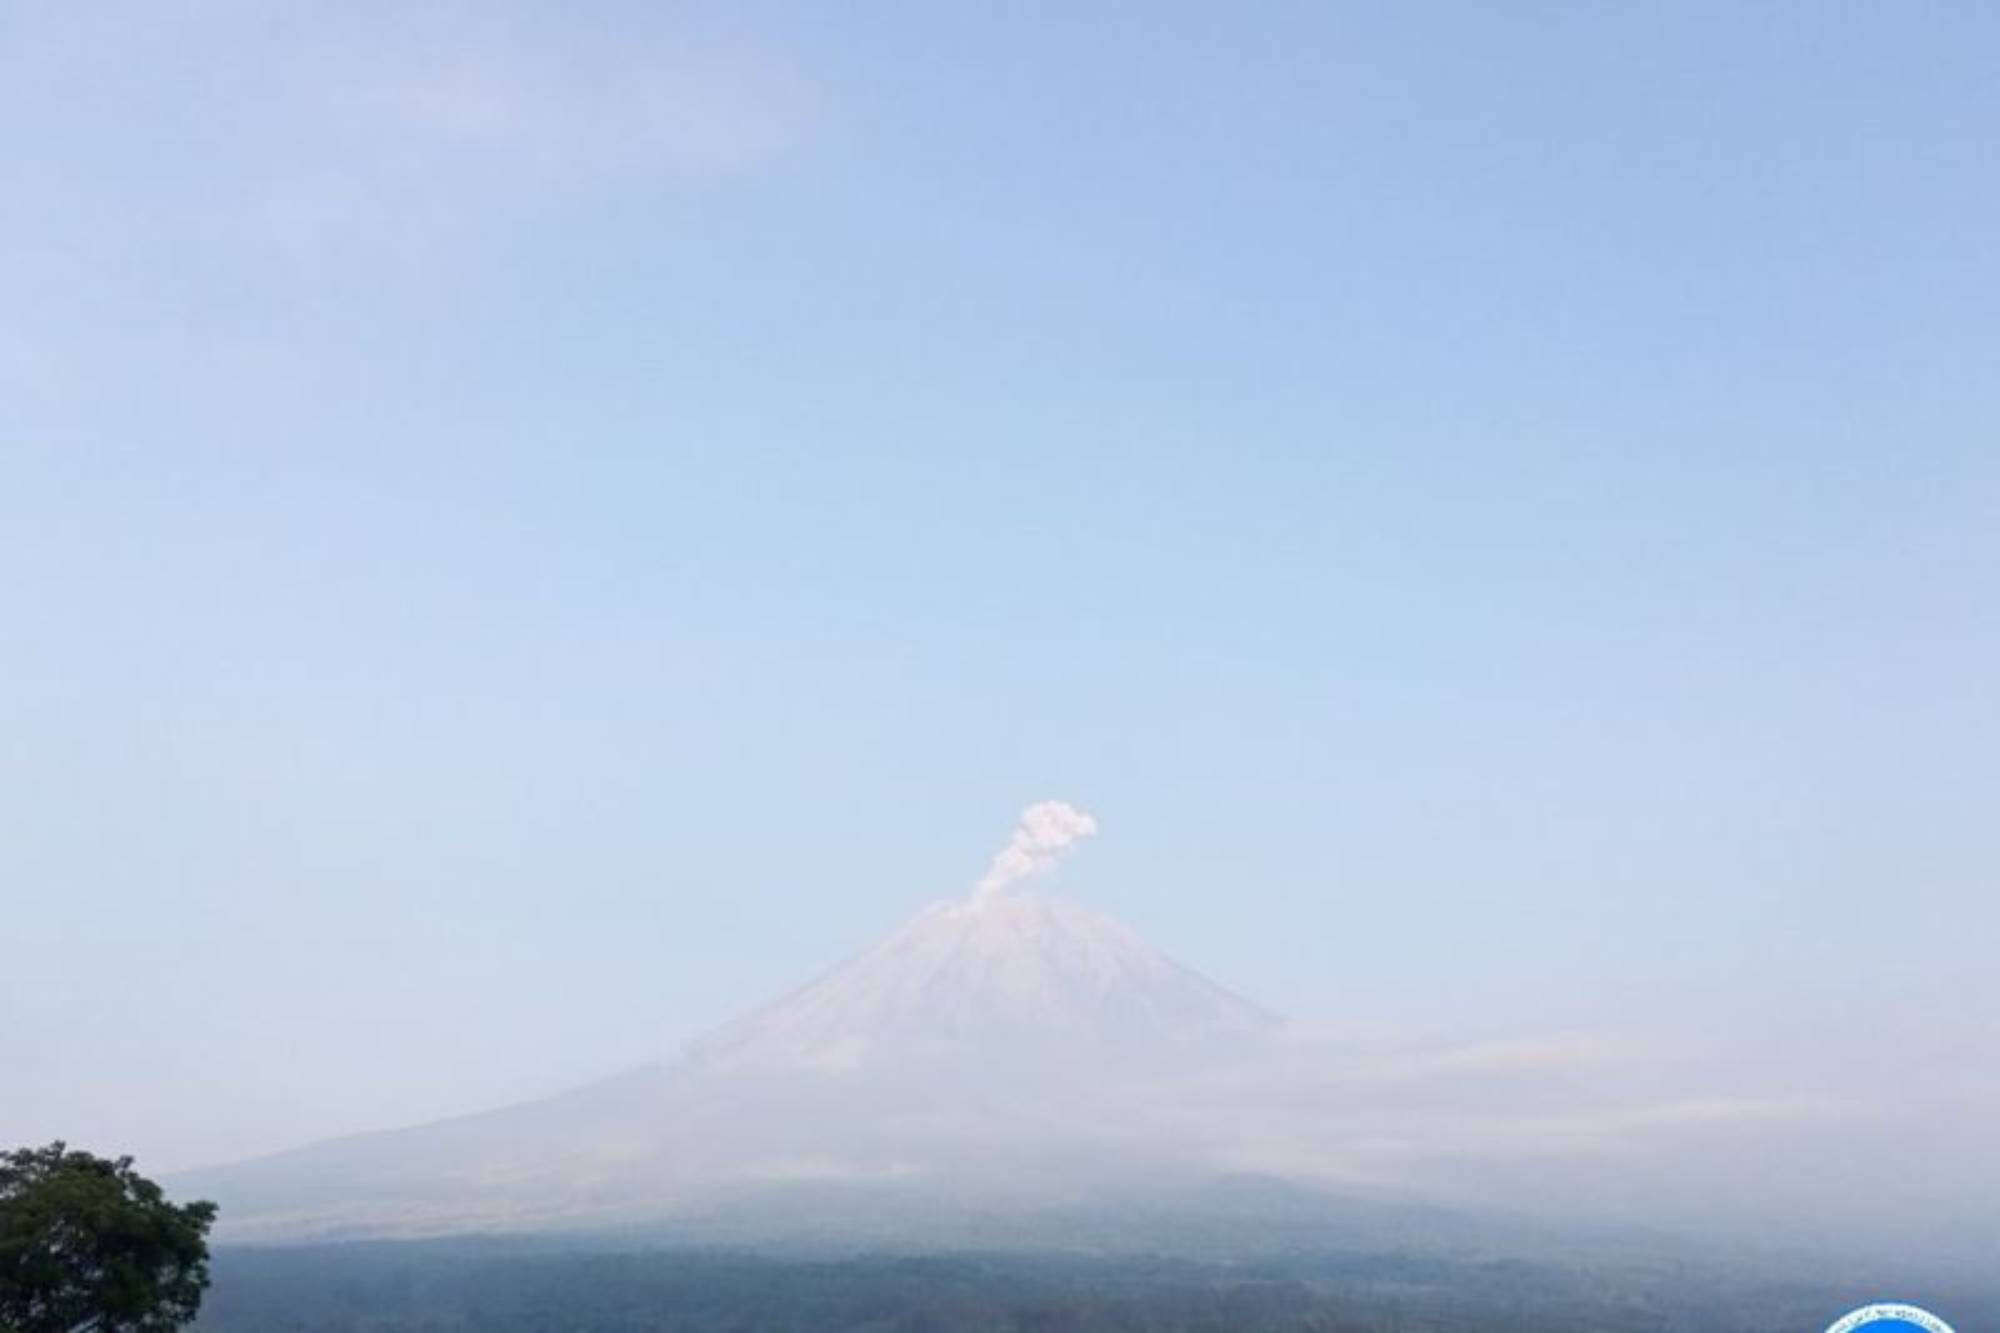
x: 1047, y: 829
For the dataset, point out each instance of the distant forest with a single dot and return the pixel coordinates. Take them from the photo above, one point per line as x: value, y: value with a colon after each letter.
x: 498, y: 1287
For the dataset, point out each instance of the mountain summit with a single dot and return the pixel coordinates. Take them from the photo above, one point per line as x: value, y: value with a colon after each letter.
x: 1018, y: 973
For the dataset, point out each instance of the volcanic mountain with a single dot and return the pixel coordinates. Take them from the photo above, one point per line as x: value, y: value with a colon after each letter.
x: 1008, y: 1048
x: 1014, y: 1069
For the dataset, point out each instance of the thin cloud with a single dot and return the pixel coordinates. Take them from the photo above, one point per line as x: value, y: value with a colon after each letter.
x: 344, y: 136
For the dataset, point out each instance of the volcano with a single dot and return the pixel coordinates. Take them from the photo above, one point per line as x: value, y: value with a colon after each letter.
x: 1014, y: 1069
x: 1005, y: 1050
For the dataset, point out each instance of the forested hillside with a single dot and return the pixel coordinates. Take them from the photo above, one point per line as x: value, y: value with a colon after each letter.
x: 499, y: 1288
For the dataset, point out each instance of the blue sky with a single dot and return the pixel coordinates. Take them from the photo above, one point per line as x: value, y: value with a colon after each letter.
x: 533, y: 529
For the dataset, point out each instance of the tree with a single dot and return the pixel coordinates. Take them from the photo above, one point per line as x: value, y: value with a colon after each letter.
x: 87, y: 1243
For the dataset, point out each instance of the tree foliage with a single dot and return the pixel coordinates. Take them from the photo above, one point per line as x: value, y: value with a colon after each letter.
x: 87, y: 1243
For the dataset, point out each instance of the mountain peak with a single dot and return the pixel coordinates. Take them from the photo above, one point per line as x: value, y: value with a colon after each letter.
x: 987, y: 976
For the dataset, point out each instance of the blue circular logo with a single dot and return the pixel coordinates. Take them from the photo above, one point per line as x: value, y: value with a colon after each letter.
x: 1889, y: 1318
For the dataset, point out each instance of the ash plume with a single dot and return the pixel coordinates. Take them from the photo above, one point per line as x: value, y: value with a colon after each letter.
x: 1046, y: 830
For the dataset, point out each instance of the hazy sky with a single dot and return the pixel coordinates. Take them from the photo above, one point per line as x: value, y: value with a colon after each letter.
x: 531, y: 528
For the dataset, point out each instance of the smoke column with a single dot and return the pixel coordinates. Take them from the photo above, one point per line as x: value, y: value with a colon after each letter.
x: 1046, y: 830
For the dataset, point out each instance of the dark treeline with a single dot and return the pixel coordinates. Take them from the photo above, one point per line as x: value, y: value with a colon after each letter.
x: 500, y: 1288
